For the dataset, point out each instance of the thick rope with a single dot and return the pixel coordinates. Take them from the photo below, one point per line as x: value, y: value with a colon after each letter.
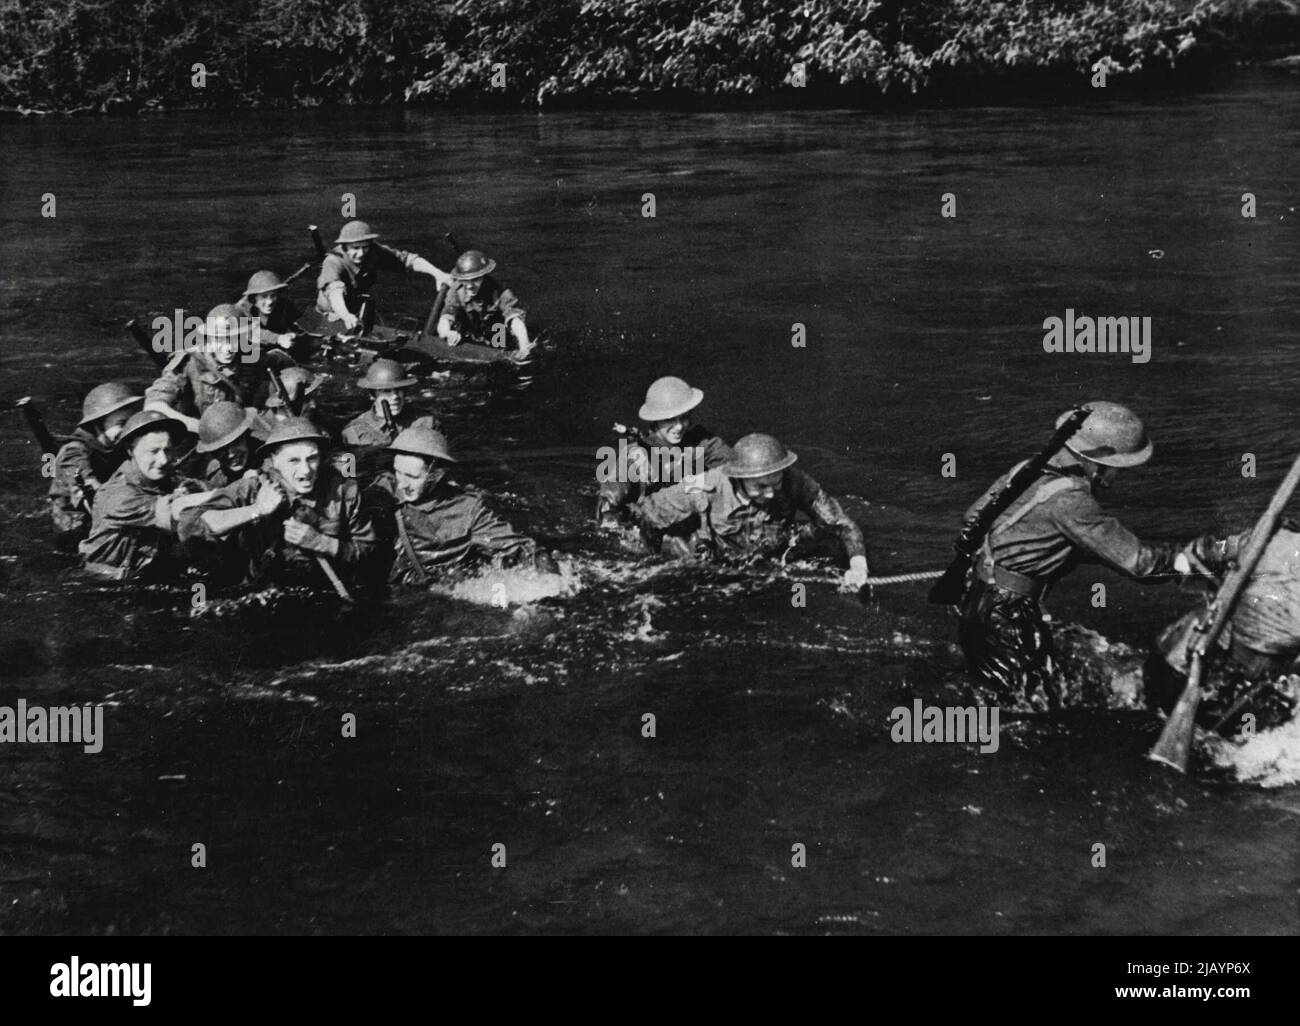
x: 922, y: 575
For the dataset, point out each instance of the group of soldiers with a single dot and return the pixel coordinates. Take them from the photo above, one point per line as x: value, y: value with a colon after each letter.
x: 273, y: 493
x: 1058, y: 523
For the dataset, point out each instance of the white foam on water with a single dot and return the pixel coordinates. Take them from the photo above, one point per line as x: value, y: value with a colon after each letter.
x: 1269, y: 759
x: 517, y: 586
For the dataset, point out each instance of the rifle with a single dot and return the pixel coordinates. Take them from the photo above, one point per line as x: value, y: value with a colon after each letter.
x: 283, y: 393
x: 48, y: 444
x: 315, y: 238
x: 37, y: 423
x: 948, y: 590
x: 1174, y: 744
x: 304, y: 515
x: 144, y: 342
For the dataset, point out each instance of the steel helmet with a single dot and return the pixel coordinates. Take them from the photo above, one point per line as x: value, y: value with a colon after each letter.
x: 472, y: 264
x: 669, y: 398
x: 146, y: 421
x: 226, y: 321
x: 422, y: 440
x: 222, y: 423
x: 355, y: 231
x: 386, y: 374
x: 757, y: 456
x: 103, y: 399
x: 1111, y: 435
x: 295, y: 429
x: 299, y: 382
x: 264, y: 281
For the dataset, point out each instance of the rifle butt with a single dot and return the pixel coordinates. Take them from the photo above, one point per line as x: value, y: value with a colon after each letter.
x: 1174, y: 746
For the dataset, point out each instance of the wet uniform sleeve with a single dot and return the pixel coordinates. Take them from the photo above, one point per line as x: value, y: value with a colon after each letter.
x: 1104, y: 539
x: 389, y: 259
x: 168, y: 386
x: 240, y: 493
x: 671, y: 505
x: 826, y: 513
x: 331, y: 271
x: 489, y: 533
x: 129, y: 509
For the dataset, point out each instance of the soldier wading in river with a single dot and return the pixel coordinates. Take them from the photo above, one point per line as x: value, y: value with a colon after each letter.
x: 347, y: 273
x: 747, y: 508
x: 430, y: 525
x: 295, y: 513
x: 93, y: 453
x: 1056, y: 524
x: 676, y: 447
x: 134, y: 519
x: 1248, y: 673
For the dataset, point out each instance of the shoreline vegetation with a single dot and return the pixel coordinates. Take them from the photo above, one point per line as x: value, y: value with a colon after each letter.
x: 105, y: 57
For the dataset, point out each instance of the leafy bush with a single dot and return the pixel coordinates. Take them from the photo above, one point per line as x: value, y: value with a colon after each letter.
x: 67, y: 54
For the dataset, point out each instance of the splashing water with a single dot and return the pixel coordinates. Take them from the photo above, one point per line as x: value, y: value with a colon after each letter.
x: 517, y: 586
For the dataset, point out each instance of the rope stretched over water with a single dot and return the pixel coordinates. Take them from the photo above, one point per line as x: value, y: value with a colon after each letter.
x: 920, y: 575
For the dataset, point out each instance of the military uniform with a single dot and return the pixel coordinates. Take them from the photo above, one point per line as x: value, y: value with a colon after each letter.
x: 726, y: 524
x: 671, y: 464
x: 97, y: 463
x: 493, y: 305
x: 282, y: 321
x: 1056, y: 524
x: 1259, y: 644
x: 130, y: 534
x: 191, y: 382
x: 357, y: 280
x: 333, y: 508
x: 368, y: 428
x: 447, y: 527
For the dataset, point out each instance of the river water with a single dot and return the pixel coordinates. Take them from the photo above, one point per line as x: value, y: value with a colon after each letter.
x: 479, y: 726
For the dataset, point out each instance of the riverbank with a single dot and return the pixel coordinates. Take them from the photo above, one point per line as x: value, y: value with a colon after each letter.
x: 76, y: 57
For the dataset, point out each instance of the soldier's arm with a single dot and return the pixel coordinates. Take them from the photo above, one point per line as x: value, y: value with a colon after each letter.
x: 491, y: 534
x: 826, y: 513
x: 227, y: 509
x: 672, y: 505
x: 402, y: 260
x: 1102, y: 538
x: 165, y: 393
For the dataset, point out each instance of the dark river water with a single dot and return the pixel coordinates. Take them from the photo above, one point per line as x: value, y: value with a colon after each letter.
x: 479, y: 726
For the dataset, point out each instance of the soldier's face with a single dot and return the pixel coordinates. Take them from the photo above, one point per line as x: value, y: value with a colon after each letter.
x: 264, y: 302
x: 151, y: 453
x: 394, y: 399
x: 761, y: 490
x: 356, y: 251
x: 673, y: 431
x: 298, y: 463
x: 110, y: 428
x: 470, y: 289
x: 414, y: 473
x: 234, y: 457
x: 224, y: 349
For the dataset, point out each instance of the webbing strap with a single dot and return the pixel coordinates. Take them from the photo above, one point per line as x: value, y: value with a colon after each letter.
x: 410, y: 549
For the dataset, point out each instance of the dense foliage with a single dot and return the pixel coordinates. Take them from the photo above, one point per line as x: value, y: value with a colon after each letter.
x: 68, y: 54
